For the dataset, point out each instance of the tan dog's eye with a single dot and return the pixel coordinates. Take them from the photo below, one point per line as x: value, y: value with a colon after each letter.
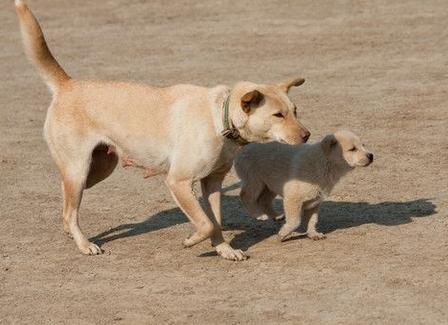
x: 278, y: 115
x: 352, y: 149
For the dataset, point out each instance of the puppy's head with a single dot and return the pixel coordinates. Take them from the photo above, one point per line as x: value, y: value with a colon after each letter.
x: 265, y: 113
x: 345, y: 148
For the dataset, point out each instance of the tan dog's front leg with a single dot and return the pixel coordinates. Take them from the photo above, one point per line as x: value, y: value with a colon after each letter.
x: 313, y: 215
x: 293, y: 216
x: 183, y: 194
x: 211, y: 191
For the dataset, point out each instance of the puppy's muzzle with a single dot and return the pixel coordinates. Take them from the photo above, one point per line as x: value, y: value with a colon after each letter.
x: 369, y: 157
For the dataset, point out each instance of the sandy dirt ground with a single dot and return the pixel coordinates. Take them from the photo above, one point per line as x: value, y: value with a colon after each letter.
x: 378, y: 68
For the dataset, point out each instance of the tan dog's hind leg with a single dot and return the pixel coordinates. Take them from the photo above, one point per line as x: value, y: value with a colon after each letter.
x: 74, y: 157
x: 64, y: 209
x: 313, y: 216
x: 211, y: 191
x: 293, y: 215
x: 72, y: 199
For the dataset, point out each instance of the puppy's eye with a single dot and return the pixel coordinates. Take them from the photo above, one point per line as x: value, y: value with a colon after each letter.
x: 278, y: 115
x: 352, y: 149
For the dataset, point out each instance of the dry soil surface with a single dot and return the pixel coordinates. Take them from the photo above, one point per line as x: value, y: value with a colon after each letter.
x: 378, y: 68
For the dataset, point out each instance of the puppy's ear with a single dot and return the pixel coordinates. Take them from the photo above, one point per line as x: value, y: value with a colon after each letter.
x: 250, y: 100
x: 287, y: 84
x: 328, y: 143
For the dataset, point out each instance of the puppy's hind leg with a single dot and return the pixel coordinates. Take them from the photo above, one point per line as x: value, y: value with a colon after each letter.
x: 265, y: 200
x: 293, y: 215
x: 313, y: 216
x: 250, y: 192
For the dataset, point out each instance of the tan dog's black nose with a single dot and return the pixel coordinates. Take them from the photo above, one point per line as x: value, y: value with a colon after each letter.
x: 370, y: 156
x: 306, y: 136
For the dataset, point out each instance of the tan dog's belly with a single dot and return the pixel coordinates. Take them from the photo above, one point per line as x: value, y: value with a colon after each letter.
x: 127, y: 161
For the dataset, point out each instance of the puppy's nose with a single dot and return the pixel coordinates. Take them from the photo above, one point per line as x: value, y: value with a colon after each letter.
x: 370, y: 156
x: 306, y: 135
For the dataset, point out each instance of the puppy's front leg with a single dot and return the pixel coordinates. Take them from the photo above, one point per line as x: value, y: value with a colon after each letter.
x: 313, y: 215
x: 293, y: 214
x: 184, y: 197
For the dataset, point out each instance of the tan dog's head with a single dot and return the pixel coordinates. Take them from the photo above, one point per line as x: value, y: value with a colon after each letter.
x: 264, y: 113
x: 345, y: 148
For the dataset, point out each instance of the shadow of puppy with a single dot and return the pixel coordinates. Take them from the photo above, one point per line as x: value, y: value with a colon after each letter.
x: 339, y: 215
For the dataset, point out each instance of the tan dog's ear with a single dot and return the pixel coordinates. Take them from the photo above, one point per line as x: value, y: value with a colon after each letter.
x: 287, y: 84
x: 328, y: 143
x: 251, y: 99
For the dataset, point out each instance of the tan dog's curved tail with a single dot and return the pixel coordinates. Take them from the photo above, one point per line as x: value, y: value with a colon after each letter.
x: 37, y: 50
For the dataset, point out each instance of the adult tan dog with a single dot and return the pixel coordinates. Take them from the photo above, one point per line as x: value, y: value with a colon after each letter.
x: 182, y: 130
x: 303, y: 175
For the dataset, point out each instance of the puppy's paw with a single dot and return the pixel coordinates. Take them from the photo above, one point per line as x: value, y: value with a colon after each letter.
x: 90, y: 249
x: 227, y: 252
x: 263, y: 217
x: 188, y: 242
x: 280, y: 217
x: 316, y: 235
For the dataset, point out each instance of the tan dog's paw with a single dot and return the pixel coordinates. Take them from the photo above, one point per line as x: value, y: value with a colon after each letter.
x: 204, y: 232
x: 226, y: 251
x: 284, y: 232
x: 316, y: 235
x: 196, y: 238
x: 90, y: 249
x: 282, y: 237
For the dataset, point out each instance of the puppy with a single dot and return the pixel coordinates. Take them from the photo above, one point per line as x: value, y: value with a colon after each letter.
x: 188, y: 132
x: 304, y: 175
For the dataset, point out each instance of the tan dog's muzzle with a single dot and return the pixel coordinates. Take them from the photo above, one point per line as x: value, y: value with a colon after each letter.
x: 305, y: 134
x: 294, y: 132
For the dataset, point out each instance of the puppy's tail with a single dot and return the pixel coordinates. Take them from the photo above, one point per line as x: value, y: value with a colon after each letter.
x: 37, y: 50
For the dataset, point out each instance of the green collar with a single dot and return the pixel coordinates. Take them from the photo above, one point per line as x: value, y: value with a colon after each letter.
x: 230, y: 132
